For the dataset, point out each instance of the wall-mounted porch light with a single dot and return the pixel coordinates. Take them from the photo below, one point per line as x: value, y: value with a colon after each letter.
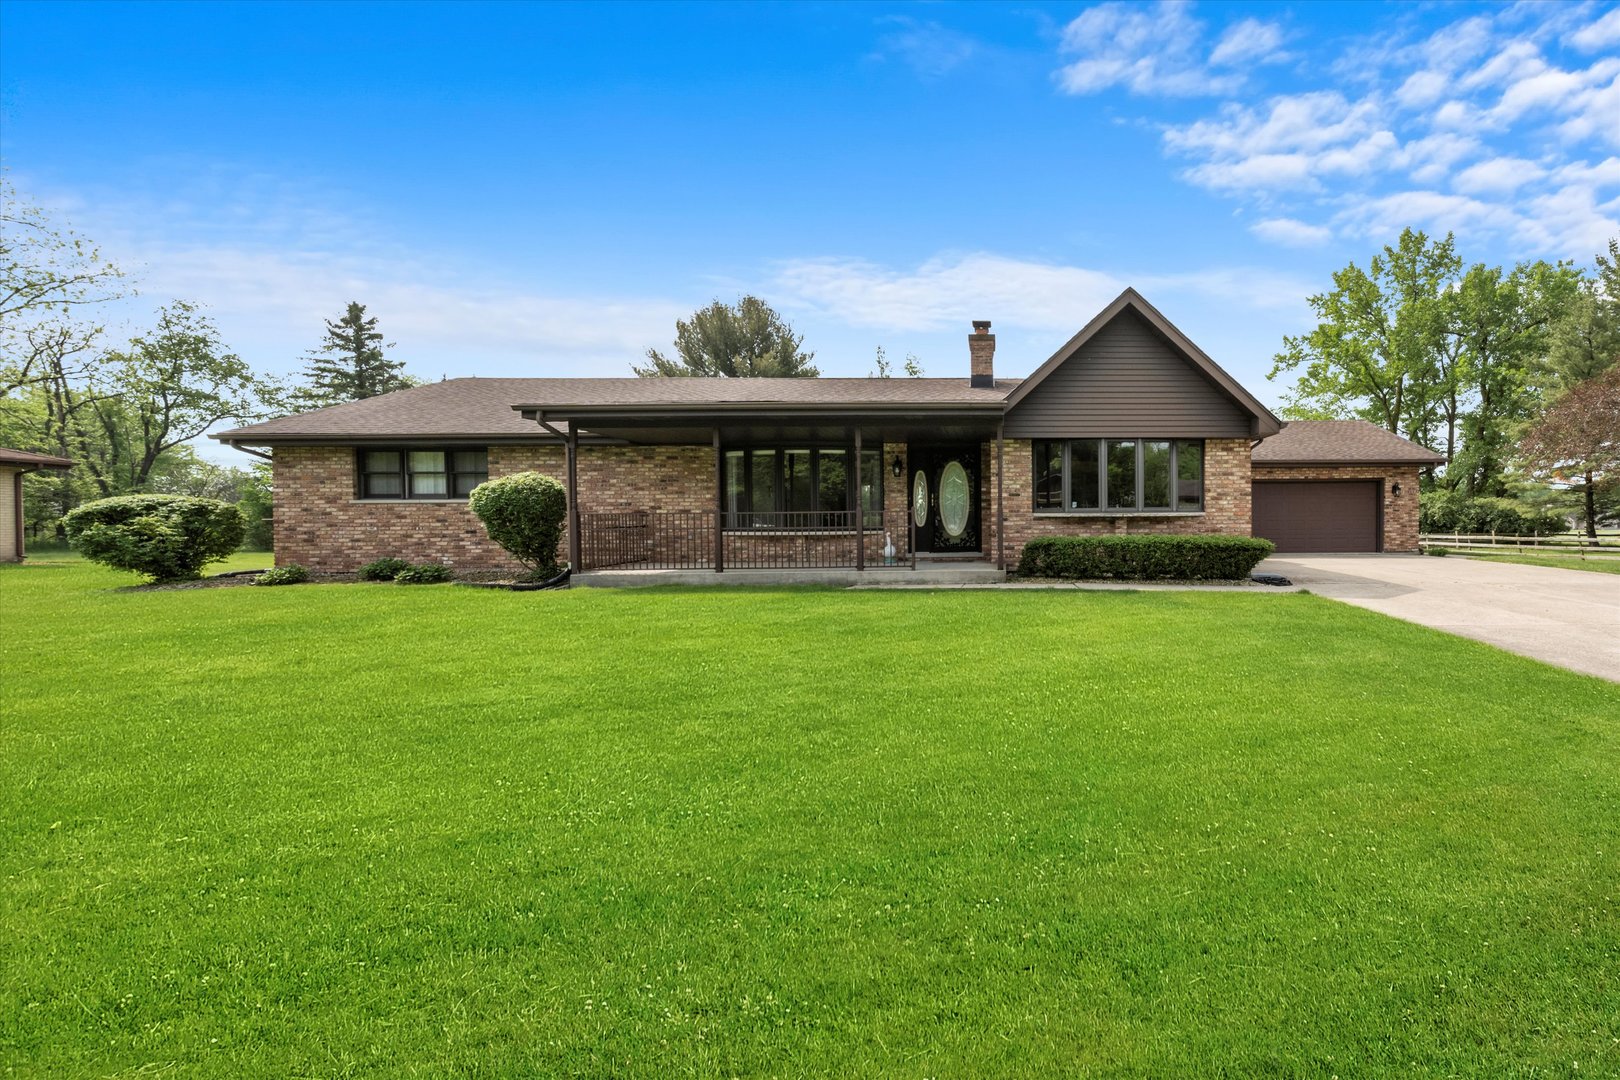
x: 897, y: 468
x: 1395, y: 490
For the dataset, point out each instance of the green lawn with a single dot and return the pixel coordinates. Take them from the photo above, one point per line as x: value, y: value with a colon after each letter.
x: 380, y: 830
x: 1600, y: 564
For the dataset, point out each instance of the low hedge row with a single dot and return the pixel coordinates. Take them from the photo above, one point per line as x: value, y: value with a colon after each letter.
x: 1144, y: 558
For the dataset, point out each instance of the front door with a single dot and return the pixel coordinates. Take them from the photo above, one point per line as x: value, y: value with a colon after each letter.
x: 945, y: 498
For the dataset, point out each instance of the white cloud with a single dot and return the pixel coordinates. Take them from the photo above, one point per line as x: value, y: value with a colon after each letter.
x: 1290, y: 232
x: 1474, y: 128
x: 929, y: 49
x: 945, y: 291
x: 1383, y: 217
x: 1501, y: 175
x: 1422, y: 88
x: 1598, y: 35
x: 1146, y: 50
x: 1249, y: 41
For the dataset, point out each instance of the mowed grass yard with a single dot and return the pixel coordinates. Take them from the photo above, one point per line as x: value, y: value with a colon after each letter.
x: 352, y: 830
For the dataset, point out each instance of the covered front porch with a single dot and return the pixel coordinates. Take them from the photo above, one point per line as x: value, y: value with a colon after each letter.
x: 792, y: 495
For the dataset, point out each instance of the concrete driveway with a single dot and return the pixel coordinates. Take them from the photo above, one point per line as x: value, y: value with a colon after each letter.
x: 1566, y: 617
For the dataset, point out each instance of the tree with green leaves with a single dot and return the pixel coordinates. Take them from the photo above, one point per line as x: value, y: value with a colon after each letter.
x: 748, y: 339
x: 50, y: 277
x: 1585, y: 340
x: 351, y: 363
x: 1373, y: 352
x: 176, y: 382
x: 912, y: 367
x: 1500, y: 323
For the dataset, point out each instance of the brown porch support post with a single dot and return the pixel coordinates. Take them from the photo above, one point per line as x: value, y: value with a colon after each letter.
x: 719, y: 506
x: 572, y: 446
x: 1001, y: 488
x: 860, y: 508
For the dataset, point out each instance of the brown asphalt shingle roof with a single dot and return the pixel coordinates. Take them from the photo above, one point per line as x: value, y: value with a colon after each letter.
x: 30, y: 460
x: 1350, y: 442
x: 483, y: 408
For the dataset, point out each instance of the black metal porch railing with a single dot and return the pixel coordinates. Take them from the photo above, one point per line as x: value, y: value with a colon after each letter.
x: 714, y: 540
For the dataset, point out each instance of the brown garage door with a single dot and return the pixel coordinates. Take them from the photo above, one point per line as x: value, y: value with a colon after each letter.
x: 1306, y: 515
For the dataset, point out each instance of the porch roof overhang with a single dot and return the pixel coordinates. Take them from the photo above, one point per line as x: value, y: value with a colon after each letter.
x: 696, y: 424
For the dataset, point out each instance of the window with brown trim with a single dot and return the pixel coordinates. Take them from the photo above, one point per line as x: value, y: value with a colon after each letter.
x: 413, y: 472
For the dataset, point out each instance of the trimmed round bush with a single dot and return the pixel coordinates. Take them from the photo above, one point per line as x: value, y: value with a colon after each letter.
x: 164, y: 537
x: 291, y: 574
x: 425, y: 574
x: 524, y: 514
x: 1144, y: 558
x: 383, y: 569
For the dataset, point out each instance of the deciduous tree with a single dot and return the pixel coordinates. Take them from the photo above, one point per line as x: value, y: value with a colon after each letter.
x: 1577, y: 440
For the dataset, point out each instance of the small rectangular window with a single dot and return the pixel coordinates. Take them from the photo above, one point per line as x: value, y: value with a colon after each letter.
x: 1084, y: 482
x: 1048, y: 476
x: 872, y: 487
x: 427, y: 473
x: 380, y: 476
x: 1155, y: 475
x: 1189, y: 475
x: 469, y: 469
x: 1121, y: 474
x: 832, y: 482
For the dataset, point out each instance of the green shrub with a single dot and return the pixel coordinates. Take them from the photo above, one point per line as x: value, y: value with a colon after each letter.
x: 425, y: 574
x: 1144, y: 558
x: 524, y: 514
x: 1445, y: 511
x: 165, y: 537
x: 383, y: 569
x: 291, y: 574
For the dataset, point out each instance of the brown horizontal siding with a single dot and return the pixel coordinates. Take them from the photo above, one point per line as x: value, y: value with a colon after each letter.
x: 1126, y: 381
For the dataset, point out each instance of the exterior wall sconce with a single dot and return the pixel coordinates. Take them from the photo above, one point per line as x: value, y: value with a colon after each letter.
x: 1395, y: 490
x: 897, y: 468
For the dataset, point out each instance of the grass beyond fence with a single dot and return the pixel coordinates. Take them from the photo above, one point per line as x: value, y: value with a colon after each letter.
x: 368, y: 830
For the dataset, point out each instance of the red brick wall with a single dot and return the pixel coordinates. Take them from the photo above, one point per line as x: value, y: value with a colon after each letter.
x: 1226, y: 501
x: 1400, y: 511
x: 320, y: 524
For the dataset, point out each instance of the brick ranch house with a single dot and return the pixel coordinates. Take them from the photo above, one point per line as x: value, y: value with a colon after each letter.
x: 1128, y: 428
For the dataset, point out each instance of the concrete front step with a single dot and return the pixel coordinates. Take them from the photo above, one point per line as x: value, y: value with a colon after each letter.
x: 975, y: 573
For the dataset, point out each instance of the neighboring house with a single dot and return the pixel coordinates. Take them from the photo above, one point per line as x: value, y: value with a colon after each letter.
x: 14, y: 465
x: 1128, y: 428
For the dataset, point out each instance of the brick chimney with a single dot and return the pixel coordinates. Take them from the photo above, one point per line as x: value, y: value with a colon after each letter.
x: 982, y: 354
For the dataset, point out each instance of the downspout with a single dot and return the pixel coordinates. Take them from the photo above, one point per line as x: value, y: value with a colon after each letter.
x: 250, y: 451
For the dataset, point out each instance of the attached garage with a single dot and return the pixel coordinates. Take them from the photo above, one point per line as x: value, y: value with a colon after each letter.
x: 1335, y: 486
x: 1319, y: 515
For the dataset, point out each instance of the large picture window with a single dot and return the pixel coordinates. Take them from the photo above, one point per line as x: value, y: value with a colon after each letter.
x: 800, y: 488
x: 421, y: 473
x: 1110, y: 476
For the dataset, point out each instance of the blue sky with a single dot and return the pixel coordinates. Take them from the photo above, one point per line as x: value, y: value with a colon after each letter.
x: 542, y: 190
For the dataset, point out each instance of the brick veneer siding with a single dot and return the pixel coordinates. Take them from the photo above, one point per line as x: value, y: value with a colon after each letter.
x: 320, y: 524
x: 1400, y: 512
x: 1227, y: 492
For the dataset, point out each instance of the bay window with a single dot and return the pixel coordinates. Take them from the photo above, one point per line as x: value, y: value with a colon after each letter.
x: 1112, y: 476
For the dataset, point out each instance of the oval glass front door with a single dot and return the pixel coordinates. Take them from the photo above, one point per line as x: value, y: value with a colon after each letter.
x: 953, y: 499
x: 919, y: 499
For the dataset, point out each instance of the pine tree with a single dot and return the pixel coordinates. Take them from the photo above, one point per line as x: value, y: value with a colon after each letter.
x: 350, y: 363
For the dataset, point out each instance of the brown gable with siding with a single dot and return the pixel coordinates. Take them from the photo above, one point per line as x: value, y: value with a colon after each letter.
x: 1126, y: 380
